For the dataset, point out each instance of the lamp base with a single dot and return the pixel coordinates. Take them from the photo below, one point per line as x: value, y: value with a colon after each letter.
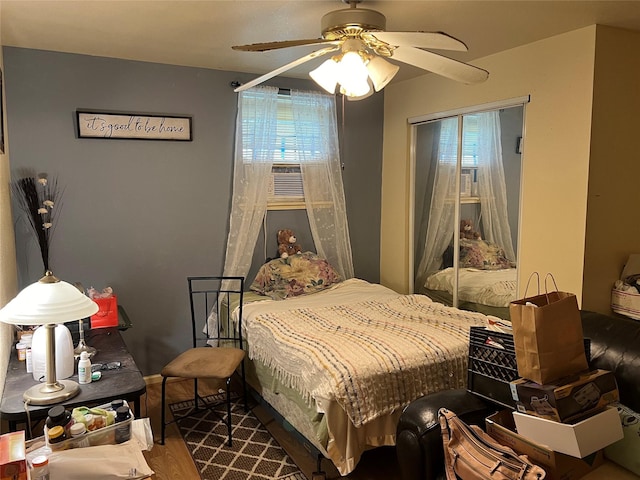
x: 46, y: 394
x: 83, y: 347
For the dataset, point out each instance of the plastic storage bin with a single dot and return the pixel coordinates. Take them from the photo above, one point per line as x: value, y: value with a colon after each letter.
x: 492, y: 365
x: 102, y: 436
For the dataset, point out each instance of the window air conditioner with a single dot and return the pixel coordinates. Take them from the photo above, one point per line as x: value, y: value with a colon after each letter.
x: 285, y: 187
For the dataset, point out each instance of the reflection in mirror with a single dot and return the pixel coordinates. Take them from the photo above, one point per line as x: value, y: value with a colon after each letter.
x: 467, y: 193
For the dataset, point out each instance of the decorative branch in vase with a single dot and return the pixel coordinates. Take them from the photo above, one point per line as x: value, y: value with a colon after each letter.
x: 39, y: 197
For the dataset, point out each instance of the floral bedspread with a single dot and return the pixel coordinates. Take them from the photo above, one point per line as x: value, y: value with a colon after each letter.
x: 372, y: 357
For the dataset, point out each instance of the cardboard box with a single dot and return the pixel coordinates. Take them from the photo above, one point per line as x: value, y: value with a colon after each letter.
x: 576, y: 439
x: 568, y: 399
x: 558, y: 466
x: 13, y: 464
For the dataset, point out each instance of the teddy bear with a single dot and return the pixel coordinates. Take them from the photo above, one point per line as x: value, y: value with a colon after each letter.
x: 467, y: 231
x: 287, y: 243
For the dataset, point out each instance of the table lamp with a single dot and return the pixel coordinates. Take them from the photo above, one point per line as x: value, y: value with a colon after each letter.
x: 48, y: 302
x: 82, y: 345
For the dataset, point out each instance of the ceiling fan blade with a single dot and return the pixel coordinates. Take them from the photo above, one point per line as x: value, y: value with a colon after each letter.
x: 434, y: 40
x: 263, y: 47
x: 284, y: 68
x: 447, y: 67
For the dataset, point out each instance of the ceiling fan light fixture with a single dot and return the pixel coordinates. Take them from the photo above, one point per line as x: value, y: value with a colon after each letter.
x: 349, y: 70
x: 326, y: 75
x: 381, y: 72
x: 363, y: 32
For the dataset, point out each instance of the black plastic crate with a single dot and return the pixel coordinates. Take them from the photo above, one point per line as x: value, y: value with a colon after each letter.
x: 492, y: 365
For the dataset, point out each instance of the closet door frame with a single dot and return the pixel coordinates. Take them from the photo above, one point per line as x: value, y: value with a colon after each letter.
x: 414, y: 123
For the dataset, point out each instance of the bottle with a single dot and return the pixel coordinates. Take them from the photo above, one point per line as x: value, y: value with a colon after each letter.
x: 29, y: 360
x: 78, y: 431
x: 26, y: 340
x: 59, y: 416
x: 123, y: 432
x: 56, y: 434
x: 84, y: 369
x: 21, y: 350
x: 40, y: 468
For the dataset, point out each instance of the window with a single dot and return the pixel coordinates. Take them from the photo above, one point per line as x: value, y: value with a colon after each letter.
x: 469, y: 143
x: 285, y: 186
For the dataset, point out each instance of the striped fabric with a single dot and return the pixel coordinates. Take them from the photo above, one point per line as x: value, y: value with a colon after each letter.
x: 372, y: 357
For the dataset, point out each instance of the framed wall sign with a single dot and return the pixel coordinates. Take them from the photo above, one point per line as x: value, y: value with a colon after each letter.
x: 133, y: 126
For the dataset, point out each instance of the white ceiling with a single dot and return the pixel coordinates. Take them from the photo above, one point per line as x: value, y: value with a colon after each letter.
x: 200, y: 33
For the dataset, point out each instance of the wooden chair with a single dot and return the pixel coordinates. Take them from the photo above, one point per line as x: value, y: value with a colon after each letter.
x: 217, y: 343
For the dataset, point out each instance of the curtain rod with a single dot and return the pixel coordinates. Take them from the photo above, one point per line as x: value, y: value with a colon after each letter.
x: 235, y: 84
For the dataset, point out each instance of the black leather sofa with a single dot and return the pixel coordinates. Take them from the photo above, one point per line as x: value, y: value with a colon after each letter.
x: 615, y: 346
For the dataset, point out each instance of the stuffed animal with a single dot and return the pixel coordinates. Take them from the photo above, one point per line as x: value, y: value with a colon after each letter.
x: 467, y: 231
x: 287, y: 243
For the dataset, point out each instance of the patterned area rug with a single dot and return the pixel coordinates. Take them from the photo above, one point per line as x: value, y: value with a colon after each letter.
x: 255, y: 455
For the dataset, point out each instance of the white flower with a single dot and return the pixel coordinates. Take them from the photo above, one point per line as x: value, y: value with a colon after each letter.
x: 48, y: 203
x: 42, y: 211
x: 42, y: 181
x: 47, y: 225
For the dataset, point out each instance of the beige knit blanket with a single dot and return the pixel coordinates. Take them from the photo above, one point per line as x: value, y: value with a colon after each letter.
x: 371, y: 357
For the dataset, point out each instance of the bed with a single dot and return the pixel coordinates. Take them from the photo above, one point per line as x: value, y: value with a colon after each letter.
x: 486, y: 279
x: 338, y: 360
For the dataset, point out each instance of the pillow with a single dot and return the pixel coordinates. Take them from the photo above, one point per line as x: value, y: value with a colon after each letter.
x: 482, y: 255
x: 295, y: 275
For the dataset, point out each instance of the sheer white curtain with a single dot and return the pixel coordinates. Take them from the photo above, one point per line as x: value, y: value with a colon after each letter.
x: 253, y: 158
x: 491, y: 190
x: 442, y: 211
x: 255, y: 144
x: 316, y: 133
x: 491, y: 184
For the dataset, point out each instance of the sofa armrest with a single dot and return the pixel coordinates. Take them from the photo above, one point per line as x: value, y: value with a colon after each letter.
x: 418, y: 439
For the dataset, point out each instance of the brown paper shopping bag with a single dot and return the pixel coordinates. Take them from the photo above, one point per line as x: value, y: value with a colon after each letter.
x: 547, y: 333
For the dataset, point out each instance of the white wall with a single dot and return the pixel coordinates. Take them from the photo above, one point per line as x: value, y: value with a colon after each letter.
x: 558, y: 75
x: 613, y: 229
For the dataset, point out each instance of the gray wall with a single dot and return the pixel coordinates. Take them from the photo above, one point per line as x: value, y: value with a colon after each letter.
x: 141, y: 215
x: 511, y: 125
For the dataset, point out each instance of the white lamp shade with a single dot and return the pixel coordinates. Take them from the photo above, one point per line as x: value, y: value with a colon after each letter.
x: 353, y: 75
x: 48, y: 301
x: 326, y: 75
x: 381, y: 72
x: 361, y: 97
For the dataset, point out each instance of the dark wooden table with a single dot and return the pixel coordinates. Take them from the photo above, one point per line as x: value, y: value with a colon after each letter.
x: 125, y: 383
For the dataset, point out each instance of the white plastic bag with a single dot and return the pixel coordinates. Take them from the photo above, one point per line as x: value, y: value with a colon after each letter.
x: 102, y: 462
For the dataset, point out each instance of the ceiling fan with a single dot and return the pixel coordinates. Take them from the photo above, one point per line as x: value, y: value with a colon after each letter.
x: 359, y: 67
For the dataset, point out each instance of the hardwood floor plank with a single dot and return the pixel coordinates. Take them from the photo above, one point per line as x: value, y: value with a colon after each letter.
x: 173, y: 460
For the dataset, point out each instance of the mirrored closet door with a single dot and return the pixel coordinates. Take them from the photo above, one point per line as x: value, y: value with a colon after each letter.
x: 466, y: 202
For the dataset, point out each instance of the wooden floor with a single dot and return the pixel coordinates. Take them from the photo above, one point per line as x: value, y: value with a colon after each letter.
x: 172, y: 460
